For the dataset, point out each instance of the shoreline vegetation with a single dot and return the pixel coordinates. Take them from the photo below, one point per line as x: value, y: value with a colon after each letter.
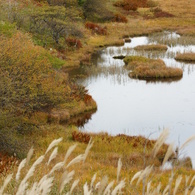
x: 40, y: 40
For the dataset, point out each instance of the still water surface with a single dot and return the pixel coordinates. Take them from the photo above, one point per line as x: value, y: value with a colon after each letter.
x: 137, y: 107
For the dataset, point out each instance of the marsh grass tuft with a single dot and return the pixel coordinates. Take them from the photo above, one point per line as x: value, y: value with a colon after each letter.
x: 145, y: 68
x: 186, y: 57
x: 151, y: 47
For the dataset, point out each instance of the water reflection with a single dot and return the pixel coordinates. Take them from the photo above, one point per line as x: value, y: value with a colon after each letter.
x: 137, y: 107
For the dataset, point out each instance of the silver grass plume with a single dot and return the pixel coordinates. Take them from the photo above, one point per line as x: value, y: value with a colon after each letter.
x: 20, y: 167
x: 93, y: 180
x: 33, y: 190
x: 53, y: 155
x: 29, y: 155
x: 66, y: 178
x: 68, y: 153
x: 187, y: 142
x: 23, y: 185
x: 108, y: 188
x: 148, y: 188
x: 86, y: 189
x: 56, y: 167
x: 90, y: 144
x: 158, y: 188
x: 163, y: 136
x: 166, y: 190
x: 193, y: 191
x: 75, y: 183
x: 187, y: 178
x: 145, y: 173
x: 119, y: 169
x: 193, y: 178
x: 54, y: 143
x: 177, y: 183
x: 77, y: 159
x: 7, y: 180
x: 137, y: 175
x: 102, y: 185
x: 168, y: 153
x: 97, y: 185
x: 46, y: 186
x: 119, y: 187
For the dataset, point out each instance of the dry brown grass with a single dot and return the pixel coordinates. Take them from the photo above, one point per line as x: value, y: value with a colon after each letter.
x: 151, y: 47
x: 186, y: 57
x: 144, y: 68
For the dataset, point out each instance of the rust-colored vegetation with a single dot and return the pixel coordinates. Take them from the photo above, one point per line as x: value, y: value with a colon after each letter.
x: 6, y: 163
x: 131, y: 4
x: 120, y: 18
x: 145, y: 68
x: 80, y: 137
x: 186, y: 57
x: 159, y: 13
x: 73, y: 43
x: 151, y: 47
x: 95, y: 28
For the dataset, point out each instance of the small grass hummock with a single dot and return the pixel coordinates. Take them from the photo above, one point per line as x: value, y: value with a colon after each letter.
x: 186, y: 57
x: 151, y: 47
x: 145, y: 68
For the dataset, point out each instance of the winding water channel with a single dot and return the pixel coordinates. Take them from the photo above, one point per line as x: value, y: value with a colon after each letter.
x: 138, y: 107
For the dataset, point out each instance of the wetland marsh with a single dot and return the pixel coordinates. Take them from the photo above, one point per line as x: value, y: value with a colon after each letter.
x: 143, y: 107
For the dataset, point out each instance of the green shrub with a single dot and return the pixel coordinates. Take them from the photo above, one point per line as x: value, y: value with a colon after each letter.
x: 96, y: 11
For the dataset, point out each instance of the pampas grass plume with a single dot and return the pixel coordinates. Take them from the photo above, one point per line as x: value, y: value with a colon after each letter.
x: 46, y: 186
x: 75, y: 183
x: 57, y: 167
x: 103, y: 184
x: 168, y: 153
x: 119, y: 187
x: 166, y: 190
x: 119, y: 169
x: 54, y: 143
x: 193, y: 191
x: 86, y: 189
x: 29, y: 155
x: 68, y: 153
x: 108, y: 188
x: 90, y: 144
x: 53, y: 155
x: 145, y: 173
x: 177, y: 183
x: 163, y: 136
x: 93, y: 180
x: 66, y: 178
x: 77, y: 159
x: 21, y: 165
x: 7, y: 180
x: 187, y: 142
x: 193, y: 178
x: 137, y: 175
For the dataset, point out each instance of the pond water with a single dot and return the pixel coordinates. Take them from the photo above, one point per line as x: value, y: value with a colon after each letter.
x: 137, y: 107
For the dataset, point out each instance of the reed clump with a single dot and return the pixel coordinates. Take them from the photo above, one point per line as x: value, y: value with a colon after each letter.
x: 151, y: 47
x: 186, y: 57
x: 145, y: 68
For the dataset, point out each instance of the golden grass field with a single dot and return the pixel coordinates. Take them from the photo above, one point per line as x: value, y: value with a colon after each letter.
x: 135, y: 152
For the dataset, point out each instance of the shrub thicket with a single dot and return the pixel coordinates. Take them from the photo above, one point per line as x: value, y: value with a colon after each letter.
x: 96, y: 11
